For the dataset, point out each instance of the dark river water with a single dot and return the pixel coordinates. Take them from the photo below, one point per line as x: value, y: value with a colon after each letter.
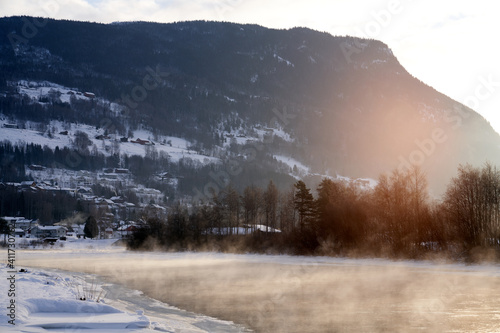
x: 302, y: 294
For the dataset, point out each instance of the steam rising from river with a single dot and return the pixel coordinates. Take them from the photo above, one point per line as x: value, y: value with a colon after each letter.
x: 288, y: 294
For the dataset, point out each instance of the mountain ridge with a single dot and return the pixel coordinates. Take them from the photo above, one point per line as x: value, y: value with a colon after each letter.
x: 347, y: 103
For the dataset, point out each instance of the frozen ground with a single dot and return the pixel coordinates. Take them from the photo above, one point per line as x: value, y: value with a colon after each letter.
x: 297, y: 294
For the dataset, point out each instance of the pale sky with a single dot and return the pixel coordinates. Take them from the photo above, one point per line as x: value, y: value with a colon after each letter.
x: 449, y: 45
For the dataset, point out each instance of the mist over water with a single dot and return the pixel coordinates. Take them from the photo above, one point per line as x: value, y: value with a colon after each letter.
x: 298, y: 294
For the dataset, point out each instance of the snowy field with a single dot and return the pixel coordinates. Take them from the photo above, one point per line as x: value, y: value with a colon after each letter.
x: 176, y: 148
x: 287, y: 293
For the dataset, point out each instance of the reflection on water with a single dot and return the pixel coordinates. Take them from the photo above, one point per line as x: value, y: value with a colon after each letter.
x: 305, y: 295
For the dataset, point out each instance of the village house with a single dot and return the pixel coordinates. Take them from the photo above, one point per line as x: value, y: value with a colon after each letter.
x: 78, y: 230
x: 126, y: 230
x: 48, y: 231
x: 142, y: 142
x: 19, y: 232
x: 21, y: 222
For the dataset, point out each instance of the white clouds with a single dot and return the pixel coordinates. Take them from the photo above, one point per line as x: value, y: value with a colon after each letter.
x: 447, y: 44
x: 61, y: 9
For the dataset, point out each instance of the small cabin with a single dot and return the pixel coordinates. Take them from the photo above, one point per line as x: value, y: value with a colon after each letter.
x: 142, y: 142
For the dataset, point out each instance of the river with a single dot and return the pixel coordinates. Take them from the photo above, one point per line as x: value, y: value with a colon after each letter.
x: 302, y: 294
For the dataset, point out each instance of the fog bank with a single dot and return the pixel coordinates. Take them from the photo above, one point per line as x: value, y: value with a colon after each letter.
x: 301, y: 294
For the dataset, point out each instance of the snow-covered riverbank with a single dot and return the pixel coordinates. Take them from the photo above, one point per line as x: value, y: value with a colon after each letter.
x: 49, y: 300
x: 40, y: 300
x: 46, y: 300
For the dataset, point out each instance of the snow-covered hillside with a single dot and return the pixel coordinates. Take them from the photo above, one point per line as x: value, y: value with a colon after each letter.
x: 236, y: 142
x: 61, y: 134
x: 175, y: 148
x: 37, y: 90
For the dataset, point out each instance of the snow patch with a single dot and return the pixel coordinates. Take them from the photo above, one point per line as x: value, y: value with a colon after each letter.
x: 35, y: 90
x: 292, y: 163
x: 280, y: 59
x: 363, y: 183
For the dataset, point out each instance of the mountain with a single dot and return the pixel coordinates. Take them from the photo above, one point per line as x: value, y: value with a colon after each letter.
x: 264, y: 98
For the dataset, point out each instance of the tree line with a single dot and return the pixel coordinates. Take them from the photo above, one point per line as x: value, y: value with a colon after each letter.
x: 395, y: 218
x: 47, y: 207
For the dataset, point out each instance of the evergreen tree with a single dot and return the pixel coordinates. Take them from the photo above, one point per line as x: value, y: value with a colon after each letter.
x: 304, y: 204
x: 91, y: 229
x: 329, y: 193
x: 4, y: 229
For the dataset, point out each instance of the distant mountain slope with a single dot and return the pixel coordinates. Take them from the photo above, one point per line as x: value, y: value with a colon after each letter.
x: 345, y: 105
